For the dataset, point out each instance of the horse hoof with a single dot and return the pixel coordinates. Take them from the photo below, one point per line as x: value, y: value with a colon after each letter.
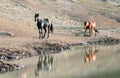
x: 47, y: 37
x: 84, y: 35
x: 42, y: 37
x: 39, y: 37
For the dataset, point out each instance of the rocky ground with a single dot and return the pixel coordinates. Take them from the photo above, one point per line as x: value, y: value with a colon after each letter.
x: 6, y: 67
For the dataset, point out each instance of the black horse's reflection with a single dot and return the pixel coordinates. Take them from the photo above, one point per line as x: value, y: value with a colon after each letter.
x: 90, y: 54
x: 44, y: 63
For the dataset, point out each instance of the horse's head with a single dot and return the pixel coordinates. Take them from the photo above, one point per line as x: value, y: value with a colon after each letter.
x: 86, y: 23
x: 36, y: 16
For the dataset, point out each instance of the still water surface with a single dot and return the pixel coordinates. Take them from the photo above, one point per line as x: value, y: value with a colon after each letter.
x: 71, y: 64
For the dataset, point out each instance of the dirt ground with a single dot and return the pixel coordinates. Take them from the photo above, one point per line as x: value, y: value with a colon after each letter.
x: 14, y: 39
x: 17, y: 26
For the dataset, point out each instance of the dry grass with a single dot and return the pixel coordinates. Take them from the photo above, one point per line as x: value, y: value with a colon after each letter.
x: 17, y: 17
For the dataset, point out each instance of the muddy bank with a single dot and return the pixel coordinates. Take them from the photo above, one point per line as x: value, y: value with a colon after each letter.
x: 100, y: 41
x: 13, y: 53
x: 105, y: 41
x: 38, y: 48
x: 47, y: 48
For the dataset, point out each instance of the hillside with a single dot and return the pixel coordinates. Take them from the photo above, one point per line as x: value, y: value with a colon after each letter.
x: 61, y: 11
x: 17, y: 17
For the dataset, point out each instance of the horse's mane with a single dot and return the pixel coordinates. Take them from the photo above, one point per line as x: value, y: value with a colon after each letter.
x: 85, y: 23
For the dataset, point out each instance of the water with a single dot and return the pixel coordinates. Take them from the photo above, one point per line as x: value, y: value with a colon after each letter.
x: 71, y: 64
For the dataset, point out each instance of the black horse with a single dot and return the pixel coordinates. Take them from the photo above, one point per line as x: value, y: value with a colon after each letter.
x: 43, y: 24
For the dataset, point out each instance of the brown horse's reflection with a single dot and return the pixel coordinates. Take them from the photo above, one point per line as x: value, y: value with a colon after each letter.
x: 44, y: 63
x: 90, y: 54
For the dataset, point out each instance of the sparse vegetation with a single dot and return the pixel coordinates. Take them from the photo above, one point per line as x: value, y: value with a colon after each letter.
x: 67, y: 15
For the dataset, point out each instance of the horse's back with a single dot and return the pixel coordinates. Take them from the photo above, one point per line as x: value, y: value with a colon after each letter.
x: 46, y: 20
x: 92, y: 23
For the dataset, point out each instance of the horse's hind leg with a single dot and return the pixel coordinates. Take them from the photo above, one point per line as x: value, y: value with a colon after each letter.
x: 44, y: 32
x: 95, y: 31
x: 39, y: 34
x: 48, y: 32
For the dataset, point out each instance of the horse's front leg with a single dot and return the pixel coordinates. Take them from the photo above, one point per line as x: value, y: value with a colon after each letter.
x: 90, y: 32
x: 85, y: 32
x: 40, y: 33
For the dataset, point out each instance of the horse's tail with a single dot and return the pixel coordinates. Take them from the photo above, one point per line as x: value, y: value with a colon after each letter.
x: 96, y: 31
x: 51, y: 27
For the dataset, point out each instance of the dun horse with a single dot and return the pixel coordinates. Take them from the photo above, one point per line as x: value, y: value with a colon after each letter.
x: 43, y: 24
x: 90, y: 25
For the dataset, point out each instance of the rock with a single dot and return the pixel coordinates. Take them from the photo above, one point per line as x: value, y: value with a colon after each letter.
x: 6, y: 34
x: 3, y: 57
x: 6, y: 67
